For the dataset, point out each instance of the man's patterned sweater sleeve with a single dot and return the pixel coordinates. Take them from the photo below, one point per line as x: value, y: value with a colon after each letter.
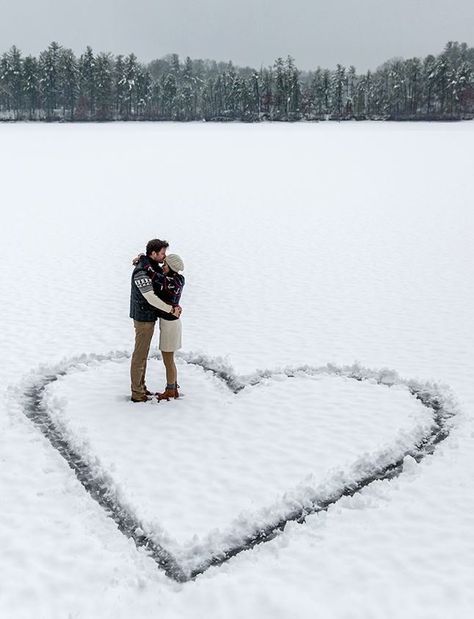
x: 145, y: 286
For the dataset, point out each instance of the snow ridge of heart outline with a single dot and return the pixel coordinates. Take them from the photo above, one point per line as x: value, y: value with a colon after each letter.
x: 100, y: 486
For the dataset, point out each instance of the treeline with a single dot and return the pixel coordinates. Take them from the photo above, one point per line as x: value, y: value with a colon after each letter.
x: 58, y: 86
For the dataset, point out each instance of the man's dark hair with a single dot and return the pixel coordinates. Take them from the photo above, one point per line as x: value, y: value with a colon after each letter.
x: 155, y: 245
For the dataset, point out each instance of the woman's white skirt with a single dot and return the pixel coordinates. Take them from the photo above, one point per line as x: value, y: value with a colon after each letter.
x: 170, y: 335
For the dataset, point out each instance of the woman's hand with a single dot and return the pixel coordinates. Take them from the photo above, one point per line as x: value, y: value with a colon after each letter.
x: 136, y: 259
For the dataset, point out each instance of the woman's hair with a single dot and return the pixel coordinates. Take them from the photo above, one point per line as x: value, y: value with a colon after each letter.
x: 155, y: 245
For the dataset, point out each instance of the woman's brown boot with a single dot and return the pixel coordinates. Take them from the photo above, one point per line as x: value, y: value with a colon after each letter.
x: 169, y: 392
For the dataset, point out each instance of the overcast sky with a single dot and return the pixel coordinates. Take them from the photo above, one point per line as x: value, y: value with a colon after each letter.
x: 249, y: 32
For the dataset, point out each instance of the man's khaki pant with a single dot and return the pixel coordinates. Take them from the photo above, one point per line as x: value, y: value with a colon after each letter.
x: 143, y: 334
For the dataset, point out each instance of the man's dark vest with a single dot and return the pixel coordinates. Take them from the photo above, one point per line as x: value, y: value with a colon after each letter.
x: 140, y: 309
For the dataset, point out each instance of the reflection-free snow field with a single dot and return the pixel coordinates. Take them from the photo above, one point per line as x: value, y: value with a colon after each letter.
x: 302, y: 244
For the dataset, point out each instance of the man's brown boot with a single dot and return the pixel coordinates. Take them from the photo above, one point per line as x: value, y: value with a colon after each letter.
x: 143, y: 399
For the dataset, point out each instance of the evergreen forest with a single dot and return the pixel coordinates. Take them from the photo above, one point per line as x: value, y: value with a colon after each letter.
x: 59, y: 86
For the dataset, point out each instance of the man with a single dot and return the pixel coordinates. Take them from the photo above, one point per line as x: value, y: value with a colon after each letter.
x: 145, y: 308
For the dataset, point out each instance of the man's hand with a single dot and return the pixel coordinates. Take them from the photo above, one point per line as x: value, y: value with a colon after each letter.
x: 176, y: 311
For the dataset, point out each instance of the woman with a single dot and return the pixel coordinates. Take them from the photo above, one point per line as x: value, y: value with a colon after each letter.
x: 168, y: 284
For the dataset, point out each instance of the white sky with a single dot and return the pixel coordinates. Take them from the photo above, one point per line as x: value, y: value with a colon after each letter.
x: 249, y: 32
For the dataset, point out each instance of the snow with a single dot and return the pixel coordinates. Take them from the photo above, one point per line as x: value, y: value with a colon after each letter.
x: 252, y: 447
x: 304, y: 245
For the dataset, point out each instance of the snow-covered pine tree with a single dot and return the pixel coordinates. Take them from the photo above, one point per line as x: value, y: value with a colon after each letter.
x: 326, y: 91
x: 360, y: 99
x: 255, y: 89
x: 396, y: 88
x: 351, y: 84
x: 87, y: 83
x: 413, y: 72
x: 68, y: 82
x: 31, y: 86
x: 188, y: 91
x: 143, y: 92
x: 441, y: 76
x: 338, y: 89
x: 119, y: 89
x: 103, y: 90
x: 169, y: 91
x: 293, y: 90
x: 280, y: 111
x: 130, y: 83
x: 50, y: 79
x: 11, y: 80
x: 428, y: 81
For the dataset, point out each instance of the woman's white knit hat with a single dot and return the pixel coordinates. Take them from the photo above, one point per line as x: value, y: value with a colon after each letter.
x: 175, y: 262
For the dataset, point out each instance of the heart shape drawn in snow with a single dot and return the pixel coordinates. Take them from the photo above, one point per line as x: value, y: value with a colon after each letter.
x: 198, y: 480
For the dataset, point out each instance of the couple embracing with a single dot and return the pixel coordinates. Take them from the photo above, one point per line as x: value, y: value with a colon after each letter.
x: 156, y: 289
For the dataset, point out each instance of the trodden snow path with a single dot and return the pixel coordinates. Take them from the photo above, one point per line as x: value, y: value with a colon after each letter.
x: 106, y: 457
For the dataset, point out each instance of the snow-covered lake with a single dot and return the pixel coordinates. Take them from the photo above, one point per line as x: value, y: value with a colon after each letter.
x: 303, y: 244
